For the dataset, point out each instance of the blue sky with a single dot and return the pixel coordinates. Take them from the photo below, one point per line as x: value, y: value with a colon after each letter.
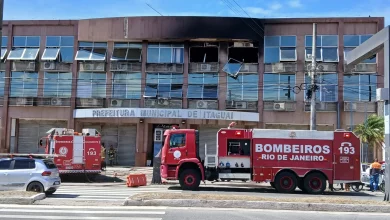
x: 83, y: 9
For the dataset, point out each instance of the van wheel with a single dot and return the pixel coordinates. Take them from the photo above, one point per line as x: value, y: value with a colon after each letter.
x: 285, y: 182
x: 315, y: 183
x: 35, y: 187
x: 189, y: 179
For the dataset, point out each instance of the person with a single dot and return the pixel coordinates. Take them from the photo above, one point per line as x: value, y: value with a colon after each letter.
x: 374, y: 175
x: 103, y: 156
x: 111, y: 155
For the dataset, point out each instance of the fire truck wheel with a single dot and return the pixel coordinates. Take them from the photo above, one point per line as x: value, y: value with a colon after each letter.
x: 35, y: 187
x: 272, y: 184
x: 285, y: 182
x: 315, y: 183
x: 189, y: 179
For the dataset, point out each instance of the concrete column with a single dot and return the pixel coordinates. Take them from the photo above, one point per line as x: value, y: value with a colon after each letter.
x: 140, y: 153
x: 143, y: 71
x: 110, y: 48
x: 222, y: 85
x: 261, y: 69
x: 340, y: 74
x: 185, y: 74
x: 71, y: 121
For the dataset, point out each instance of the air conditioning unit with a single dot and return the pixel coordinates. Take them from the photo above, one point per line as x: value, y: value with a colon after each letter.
x: 89, y: 102
x: 201, y: 104
x: 49, y: 65
x: 163, y: 102
x: 121, y: 66
x: 116, y: 102
x: 56, y: 101
x: 150, y: 102
x: 88, y: 66
x: 349, y: 106
x: 241, y: 105
x: 244, y: 68
x: 279, y: 106
x: 21, y: 101
x: 31, y: 66
x: 242, y: 44
x: 205, y: 67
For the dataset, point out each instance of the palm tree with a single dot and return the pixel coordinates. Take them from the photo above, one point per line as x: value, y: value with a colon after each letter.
x: 372, y: 131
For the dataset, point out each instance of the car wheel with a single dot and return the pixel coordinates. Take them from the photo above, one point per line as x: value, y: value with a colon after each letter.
x: 35, y: 187
x: 48, y: 193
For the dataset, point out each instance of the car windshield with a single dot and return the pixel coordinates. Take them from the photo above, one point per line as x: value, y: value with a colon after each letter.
x: 49, y: 164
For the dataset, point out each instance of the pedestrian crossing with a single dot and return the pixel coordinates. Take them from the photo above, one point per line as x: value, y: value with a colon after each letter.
x: 106, y: 193
x: 51, y: 212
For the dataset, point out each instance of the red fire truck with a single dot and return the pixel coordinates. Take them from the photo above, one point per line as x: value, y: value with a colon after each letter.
x: 79, y: 152
x: 285, y: 158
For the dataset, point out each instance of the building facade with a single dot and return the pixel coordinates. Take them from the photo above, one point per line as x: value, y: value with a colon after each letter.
x: 133, y: 77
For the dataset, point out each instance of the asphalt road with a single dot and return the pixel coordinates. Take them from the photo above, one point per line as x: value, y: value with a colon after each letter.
x: 50, y: 212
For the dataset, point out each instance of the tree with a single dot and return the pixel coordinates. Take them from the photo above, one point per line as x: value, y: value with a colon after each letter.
x: 372, y: 131
x: 156, y: 179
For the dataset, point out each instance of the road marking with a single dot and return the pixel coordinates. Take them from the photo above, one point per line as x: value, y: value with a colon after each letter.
x: 82, y: 207
x: 86, y: 212
x: 73, y: 217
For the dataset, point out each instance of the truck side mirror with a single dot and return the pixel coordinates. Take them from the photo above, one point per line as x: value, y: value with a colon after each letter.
x: 40, y: 142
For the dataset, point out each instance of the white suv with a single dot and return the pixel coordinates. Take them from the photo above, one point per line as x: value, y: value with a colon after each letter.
x: 31, y: 174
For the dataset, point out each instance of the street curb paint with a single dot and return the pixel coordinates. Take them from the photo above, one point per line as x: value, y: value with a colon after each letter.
x: 260, y: 205
x: 23, y: 200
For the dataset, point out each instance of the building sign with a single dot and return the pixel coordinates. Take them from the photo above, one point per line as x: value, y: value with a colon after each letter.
x: 166, y: 113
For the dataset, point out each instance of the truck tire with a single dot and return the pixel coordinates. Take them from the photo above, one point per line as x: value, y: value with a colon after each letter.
x: 189, y: 179
x: 285, y: 182
x: 314, y: 183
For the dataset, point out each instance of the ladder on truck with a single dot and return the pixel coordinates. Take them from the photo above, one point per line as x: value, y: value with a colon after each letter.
x: 210, y: 160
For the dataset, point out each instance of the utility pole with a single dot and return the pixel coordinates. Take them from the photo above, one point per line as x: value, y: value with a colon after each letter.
x: 313, y: 116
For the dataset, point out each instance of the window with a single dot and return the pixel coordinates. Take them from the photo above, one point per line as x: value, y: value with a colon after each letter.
x: 4, y: 43
x: 92, y: 51
x: 244, y: 88
x: 165, y: 53
x: 327, y: 48
x: 49, y: 164
x: 177, y: 140
x: 24, y: 84
x: 327, y: 87
x: 278, y: 87
x: 91, y: 85
x: 352, y: 41
x: 2, y: 83
x: 360, y: 87
x: 280, y: 48
x: 127, y: 52
x: 164, y: 85
x: 59, y: 48
x: 57, y: 84
x: 202, y: 86
x: 24, y: 48
x: 24, y: 164
x: 126, y: 85
x: 5, y: 164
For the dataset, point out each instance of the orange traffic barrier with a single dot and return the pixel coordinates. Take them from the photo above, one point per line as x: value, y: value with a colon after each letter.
x: 134, y: 180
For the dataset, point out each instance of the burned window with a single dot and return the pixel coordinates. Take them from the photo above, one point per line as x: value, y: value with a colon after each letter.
x: 244, y: 54
x: 204, y: 54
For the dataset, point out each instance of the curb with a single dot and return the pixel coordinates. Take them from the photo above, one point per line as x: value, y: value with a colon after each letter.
x: 260, y: 205
x: 23, y: 200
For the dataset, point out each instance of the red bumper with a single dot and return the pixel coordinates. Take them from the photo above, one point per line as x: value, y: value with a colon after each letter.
x: 164, y: 171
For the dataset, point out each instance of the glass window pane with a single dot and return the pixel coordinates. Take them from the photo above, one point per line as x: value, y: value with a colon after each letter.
x: 178, y: 55
x: 250, y: 79
x: 351, y: 79
x: 364, y: 38
x: 330, y: 41
x: 164, y: 90
x: 210, y: 92
x: 3, y: 52
x: 98, y: 54
x: 151, y: 78
x: 210, y: 78
x: 195, y: 91
x: 66, y: 54
x: 67, y: 41
x: 177, y: 78
x: 330, y: 54
x: 133, y: 92
x: 288, y: 41
x: 4, y: 41
x: 53, y: 41
x: 84, y: 87
x: 366, y: 79
x: 195, y: 78
x: 271, y: 92
x: 250, y: 92
x: 271, y: 41
x: 309, y: 41
x: 287, y: 79
x: 19, y: 42
x: 271, y: 55
x: 153, y: 55
x: 100, y: 44
x: 328, y: 93
x: 232, y: 68
x: 50, y: 53
x: 351, y: 93
x: 234, y: 92
x: 135, y: 45
x: 351, y: 40
x: 85, y: 44
x: 16, y: 89
x: 287, y: 53
x: 119, y: 85
x: 33, y: 41
x: 151, y: 90
x: 318, y: 54
x: 30, y: 54
x: 83, y: 54
x: 271, y: 78
x: 134, y: 54
x: 15, y: 54
x: 328, y: 78
x: 119, y: 54
x: 165, y: 78
x: 165, y: 55
x: 30, y: 84
x: 2, y: 81
x: 50, y: 84
x: 176, y: 91
x: 121, y: 45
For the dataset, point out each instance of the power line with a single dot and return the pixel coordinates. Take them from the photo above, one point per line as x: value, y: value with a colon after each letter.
x: 153, y: 9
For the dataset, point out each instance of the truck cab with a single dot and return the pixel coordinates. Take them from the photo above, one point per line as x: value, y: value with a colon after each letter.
x: 180, y: 156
